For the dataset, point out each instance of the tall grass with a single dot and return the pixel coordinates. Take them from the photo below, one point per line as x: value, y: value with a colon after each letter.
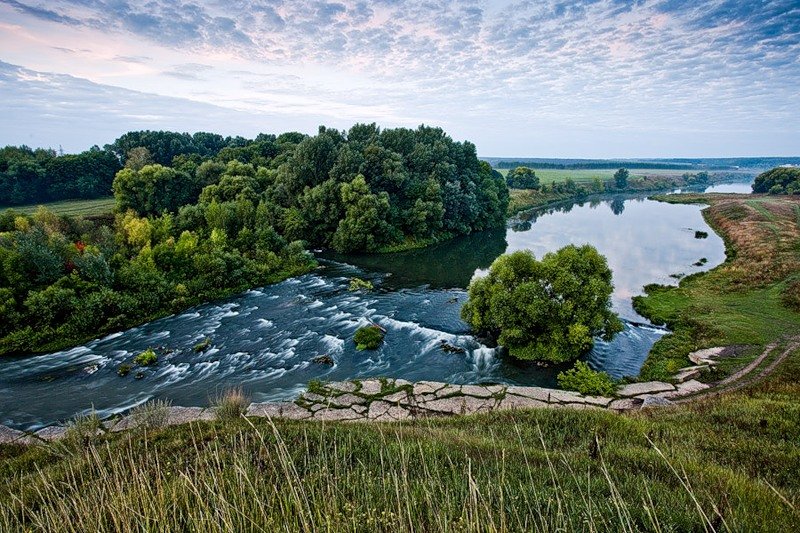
x: 424, y: 476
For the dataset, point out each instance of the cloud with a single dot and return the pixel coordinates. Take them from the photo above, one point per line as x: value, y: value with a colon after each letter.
x: 655, y: 67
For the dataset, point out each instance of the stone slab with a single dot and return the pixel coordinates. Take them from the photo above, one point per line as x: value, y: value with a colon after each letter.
x: 537, y: 393
x: 647, y: 387
x: 51, y: 433
x: 9, y: 435
x: 520, y: 402
x: 656, y: 401
x: 476, y: 391
x: 182, y: 415
x: 625, y: 404
x: 333, y: 415
x: 459, y: 405
x: 370, y: 387
x: 706, y: 355
x: 287, y: 410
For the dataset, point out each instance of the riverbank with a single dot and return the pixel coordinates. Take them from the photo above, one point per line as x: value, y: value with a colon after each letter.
x: 724, y: 463
x: 749, y: 301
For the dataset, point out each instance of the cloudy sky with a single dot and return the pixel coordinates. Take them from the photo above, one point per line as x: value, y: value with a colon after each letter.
x: 538, y: 78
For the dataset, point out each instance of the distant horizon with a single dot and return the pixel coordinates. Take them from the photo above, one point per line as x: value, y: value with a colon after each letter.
x: 597, y: 79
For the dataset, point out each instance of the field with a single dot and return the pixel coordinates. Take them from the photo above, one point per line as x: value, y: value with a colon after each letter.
x: 547, y: 175
x: 98, y: 206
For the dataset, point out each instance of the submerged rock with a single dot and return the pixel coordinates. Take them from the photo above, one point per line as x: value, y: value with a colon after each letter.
x: 323, y: 359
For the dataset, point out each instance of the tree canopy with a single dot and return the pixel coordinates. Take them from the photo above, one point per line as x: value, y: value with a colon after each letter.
x: 621, y: 178
x: 547, y: 310
x: 522, y: 178
x: 780, y: 180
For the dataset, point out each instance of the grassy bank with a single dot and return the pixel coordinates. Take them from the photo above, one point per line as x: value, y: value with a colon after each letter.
x: 550, y: 175
x: 749, y: 301
x: 96, y: 207
x: 726, y: 464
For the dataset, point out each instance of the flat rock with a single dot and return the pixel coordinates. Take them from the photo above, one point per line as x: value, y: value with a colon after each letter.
x: 288, y: 410
x: 565, y: 396
x: 537, y: 393
x: 520, y: 402
x: 397, y: 397
x: 691, y: 386
x: 51, y: 433
x: 342, y: 386
x: 182, y: 415
x: 379, y: 410
x: 459, y: 405
x: 345, y: 400
x: 427, y: 387
x: 705, y: 356
x: 648, y: 387
x: 313, y: 397
x: 656, y: 401
x: 690, y: 372
x: 476, y: 391
x: 9, y: 435
x: 599, y: 401
x: 332, y: 415
x: 120, y: 424
x: 625, y: 404
x: 370, y: 387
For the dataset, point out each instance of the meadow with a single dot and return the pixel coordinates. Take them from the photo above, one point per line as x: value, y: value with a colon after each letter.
x: 94, y: 207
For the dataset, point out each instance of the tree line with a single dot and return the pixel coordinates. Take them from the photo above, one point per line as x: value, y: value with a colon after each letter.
x: 199, y: 226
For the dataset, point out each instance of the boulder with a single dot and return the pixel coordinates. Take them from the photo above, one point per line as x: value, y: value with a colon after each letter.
x: 690, y: 372
x: 459, y: 405
x: 370, y: 387
x: 625, y: 404
x: 9, y: 435
x: 278, y: 410
x: 51, y: 433
x: 342, y: 386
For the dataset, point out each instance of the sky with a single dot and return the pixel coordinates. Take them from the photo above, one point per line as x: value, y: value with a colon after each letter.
x: 536, y: 78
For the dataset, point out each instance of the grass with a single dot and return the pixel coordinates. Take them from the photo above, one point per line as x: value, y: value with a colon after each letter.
x: 741, y: 302
x: 98, y: 206
x: 547, y: 175
x: 231, y: 404
x: 726, y: 464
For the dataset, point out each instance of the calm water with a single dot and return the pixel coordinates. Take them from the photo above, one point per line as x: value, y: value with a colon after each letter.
x: 265, y: 339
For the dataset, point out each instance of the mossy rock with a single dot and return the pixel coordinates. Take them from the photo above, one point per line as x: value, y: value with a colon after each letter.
x: 368, y: 338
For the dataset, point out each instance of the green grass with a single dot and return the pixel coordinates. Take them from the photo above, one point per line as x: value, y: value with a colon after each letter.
x: 99, y: 206
x: 726, y: 464
x: 547, y: 175
x: 741, y: 302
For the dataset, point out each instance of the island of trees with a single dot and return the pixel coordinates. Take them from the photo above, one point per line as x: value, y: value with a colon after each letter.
x: 201, y: 217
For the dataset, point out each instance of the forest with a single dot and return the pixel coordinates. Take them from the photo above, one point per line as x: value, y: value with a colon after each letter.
x: 200, y: 217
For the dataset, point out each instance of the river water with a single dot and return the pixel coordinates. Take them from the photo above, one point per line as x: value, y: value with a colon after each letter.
x: 265, y: 339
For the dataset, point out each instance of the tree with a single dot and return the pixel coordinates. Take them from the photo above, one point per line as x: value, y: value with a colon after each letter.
x: 780, y: 180
x: 621, y: 178
x: 544, y: 310
x: 152, y: 190
x: 522, y: 178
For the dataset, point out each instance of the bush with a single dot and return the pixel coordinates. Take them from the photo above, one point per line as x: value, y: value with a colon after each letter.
x: 700, y: 235
x: 548, y: 310
x: 368, y: 338
x: 123, y: 370
x: 357, y: 284
x: 146, y: 358
x: 151, y: 415
x: 231, y: 404
x: 583, y: 379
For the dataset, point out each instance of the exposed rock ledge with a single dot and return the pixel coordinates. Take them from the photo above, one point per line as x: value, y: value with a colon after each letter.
x: 391, y: 400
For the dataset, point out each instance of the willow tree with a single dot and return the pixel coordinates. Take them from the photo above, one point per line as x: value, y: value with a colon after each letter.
x: 547, y: 310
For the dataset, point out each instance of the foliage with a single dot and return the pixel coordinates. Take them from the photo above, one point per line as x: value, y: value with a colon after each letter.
x: 522, y: 178
x: 203, y: 345
x: 123, y: 370
x: 36, y: 176
x: 368, y: 338
x: 621, y: 178
x: 231, y: 404
x: 544, y: 310
x: 146, y: 358
x: 583, y: 379
x: 780, y: 180
x: 358, y: 284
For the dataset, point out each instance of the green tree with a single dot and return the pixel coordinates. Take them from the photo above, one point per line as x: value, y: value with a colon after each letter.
x: 522, y: 178
x: 780, y: 180
x: 364, y: 225
x: 621, y: 178
x: 544, y: 310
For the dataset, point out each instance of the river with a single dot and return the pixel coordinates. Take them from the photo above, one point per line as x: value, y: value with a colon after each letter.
x: 265, y: 339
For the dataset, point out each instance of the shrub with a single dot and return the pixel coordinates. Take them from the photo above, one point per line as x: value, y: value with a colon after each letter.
x: 583, y: 379
x: 203, y: 345
x: 82, y: 431
x: 146, y: 358
x: 368, y: 338
x: 123, y: 370
x: 151, y: 415
x: 700, y: 235
x: 231, y: 404
x: 357, y: 284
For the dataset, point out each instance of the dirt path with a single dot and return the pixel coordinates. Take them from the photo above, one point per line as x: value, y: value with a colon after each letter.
x: 744, y: 377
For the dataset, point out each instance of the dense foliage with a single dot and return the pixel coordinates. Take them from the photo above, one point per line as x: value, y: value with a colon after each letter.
x: 522, y: 178
x: 544, y: 310
x: 780, y: 180
x: 583, y: 379
x: 201, y: 216
x: 34, y: 176
x: 621, y: 178
x: 368, y: 338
